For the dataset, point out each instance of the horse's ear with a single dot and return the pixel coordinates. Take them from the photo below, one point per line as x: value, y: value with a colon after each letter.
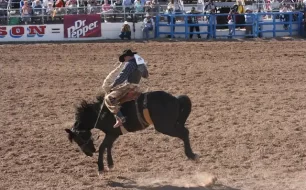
x: 68, y: 131
x: 70, y: 134
x: 100, y: 97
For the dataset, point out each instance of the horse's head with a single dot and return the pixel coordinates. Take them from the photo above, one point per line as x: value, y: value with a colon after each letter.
x: 83, y: 138
x: 80, y: 133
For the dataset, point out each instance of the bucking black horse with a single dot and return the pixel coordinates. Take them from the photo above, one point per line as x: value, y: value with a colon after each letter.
x: 166, y: 112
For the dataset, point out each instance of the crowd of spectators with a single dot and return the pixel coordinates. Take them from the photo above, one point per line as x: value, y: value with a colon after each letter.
x: 144, y: 11
x: 48, y: 10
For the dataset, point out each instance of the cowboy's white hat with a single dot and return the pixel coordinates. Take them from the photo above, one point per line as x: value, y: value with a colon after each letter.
x: 125, y: 22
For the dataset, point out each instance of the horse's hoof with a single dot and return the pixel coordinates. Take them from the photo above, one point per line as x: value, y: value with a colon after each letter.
x: 111, y: 166
x: 100, y: 172
x: 196, y: 158
x: 106, y: 169
x: 103, y: 171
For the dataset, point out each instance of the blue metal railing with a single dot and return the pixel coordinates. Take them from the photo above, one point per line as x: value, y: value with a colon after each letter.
x: 292, y: 23
x: 185, y: 24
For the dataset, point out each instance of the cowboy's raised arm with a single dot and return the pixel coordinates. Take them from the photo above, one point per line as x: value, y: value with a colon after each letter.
x: 144, y: 71
x: 125, y: 73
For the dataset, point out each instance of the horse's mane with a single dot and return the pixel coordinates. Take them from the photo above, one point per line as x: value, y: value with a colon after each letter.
x: 87, y: 107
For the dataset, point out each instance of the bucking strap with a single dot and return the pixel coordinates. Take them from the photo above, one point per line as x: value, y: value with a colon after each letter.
x: 147, y: 117
x: 146, y: 114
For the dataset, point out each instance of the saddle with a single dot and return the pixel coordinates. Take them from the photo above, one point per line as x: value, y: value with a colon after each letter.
x: 146, y: 119
x: 131, y: 95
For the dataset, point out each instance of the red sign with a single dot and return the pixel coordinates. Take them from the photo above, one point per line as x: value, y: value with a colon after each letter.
x: 19, y: 31
x: 82, y: 26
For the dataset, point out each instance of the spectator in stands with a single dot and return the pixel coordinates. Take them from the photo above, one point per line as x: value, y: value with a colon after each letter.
x: 210, y: 8
x: 249, y: 19
x: 105, y: 6
x: 154, y: 9
x: 147, y: 26
x: 125, y: 31
x: 285, y: 8
x: 260, y: 20
x: 171, y: 11
x: 3, y: 4
x: 127, y: 4
x: 37, y: 12
x: 288, y: 2
x: 21, y: 3
x: 239, y: 9
x: 46, y: 2
x: 138, y: 7
x: 58, y: 5
x: 33, y: 3
x: 71, y: 6
x: 299, y: 5
x: 231, y: 21
x: 148, y: 7
x: 117, y: 6
x: 50, y: 9
x: 3, y: 10
x: 143, y: 2
x: 26, y: 12
x: 71, y: 3
x: 38, y: 7
x: 193, y: 20
x: 106, y: 10
x: 92, y: 7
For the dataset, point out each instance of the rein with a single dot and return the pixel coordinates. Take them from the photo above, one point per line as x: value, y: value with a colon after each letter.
x: 99, y: 112
x: 99, y: 116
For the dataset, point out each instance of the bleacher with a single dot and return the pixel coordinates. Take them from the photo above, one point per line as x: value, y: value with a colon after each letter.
x: 118, y: 13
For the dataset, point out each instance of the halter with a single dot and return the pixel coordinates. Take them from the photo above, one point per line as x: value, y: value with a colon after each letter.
x: 84, y: 142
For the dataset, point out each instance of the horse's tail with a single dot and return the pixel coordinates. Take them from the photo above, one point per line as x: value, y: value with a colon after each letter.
x: 185, y: 108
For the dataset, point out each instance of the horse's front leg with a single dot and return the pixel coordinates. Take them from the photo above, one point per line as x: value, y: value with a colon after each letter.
x: 110, y: 161
x: 100, y: 157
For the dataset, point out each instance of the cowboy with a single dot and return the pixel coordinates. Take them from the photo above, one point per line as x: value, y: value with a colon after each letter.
x: 127, y: 80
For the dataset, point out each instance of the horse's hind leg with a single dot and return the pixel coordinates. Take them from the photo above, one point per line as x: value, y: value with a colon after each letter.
x: 166, y: 121
x: 183, y: 133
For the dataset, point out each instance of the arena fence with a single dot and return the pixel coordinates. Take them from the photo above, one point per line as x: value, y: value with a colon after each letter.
x: 44, y: 26
x: 276, y: 24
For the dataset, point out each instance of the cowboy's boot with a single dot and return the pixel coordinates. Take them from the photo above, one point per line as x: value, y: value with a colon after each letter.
x: 120, y: 119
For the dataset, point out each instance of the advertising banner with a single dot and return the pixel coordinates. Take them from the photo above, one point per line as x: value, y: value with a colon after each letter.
x: 22, y: 31
x: 82, y: 26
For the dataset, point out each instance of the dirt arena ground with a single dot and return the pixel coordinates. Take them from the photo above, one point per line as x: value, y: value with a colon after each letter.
x: 247, y: 122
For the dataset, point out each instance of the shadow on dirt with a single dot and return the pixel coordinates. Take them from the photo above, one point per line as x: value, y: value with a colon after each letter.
x: 132, y: 184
